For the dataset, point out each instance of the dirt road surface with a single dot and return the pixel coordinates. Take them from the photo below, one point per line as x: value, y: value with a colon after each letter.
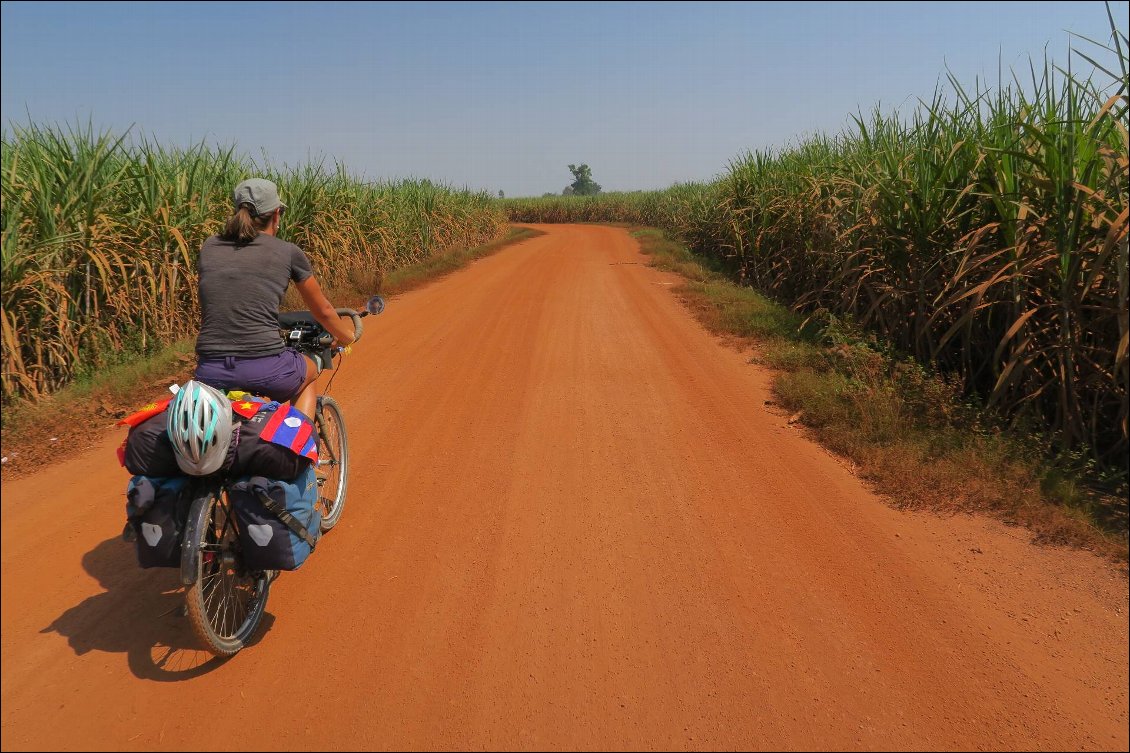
x: 572, y: 523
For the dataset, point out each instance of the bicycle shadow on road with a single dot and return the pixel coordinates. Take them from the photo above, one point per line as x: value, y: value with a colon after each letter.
x: 141, y: 614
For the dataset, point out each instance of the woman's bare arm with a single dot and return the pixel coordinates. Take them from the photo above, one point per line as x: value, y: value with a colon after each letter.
x: 323, y: 311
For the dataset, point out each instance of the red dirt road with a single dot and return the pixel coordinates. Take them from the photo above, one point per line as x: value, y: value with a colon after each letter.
x: 572, y: 523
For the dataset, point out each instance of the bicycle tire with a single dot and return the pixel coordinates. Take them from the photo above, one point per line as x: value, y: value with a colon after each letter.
x: 225, y: 602
x: 333, y: 461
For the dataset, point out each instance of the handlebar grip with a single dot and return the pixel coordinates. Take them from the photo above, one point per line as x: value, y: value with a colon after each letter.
x: 356, y: 322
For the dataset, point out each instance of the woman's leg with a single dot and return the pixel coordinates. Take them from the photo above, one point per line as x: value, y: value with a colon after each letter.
x: 308, y: 393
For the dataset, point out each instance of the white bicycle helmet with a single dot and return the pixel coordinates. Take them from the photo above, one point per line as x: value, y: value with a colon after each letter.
x: 200, y: 426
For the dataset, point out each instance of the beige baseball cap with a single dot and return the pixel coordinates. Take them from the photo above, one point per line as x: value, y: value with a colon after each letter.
x: 260, y: 193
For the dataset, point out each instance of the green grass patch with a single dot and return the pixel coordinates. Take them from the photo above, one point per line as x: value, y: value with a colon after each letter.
x: 674, y: 257
x: 909, y: 430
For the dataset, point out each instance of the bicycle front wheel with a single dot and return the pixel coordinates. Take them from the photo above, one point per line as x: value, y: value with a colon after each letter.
x: 333, y: 461
x: 226, y: 602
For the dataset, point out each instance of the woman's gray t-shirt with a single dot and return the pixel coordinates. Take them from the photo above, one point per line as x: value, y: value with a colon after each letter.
x: 241, y: 288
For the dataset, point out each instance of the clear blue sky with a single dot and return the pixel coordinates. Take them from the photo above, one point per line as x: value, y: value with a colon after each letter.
x: 506, y: 95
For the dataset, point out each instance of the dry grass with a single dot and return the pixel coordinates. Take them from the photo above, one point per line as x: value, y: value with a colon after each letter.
x: 909, y: 431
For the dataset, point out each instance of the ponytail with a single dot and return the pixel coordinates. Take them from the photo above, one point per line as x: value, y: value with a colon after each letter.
x: 244, y: 226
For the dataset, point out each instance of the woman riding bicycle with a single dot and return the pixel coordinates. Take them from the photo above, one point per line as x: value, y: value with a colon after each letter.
x: 230, y: 552
x: 244, y: 273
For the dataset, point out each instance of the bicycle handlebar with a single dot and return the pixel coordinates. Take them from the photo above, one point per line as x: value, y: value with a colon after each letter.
x: 306, y: 331
x: 356, y: 321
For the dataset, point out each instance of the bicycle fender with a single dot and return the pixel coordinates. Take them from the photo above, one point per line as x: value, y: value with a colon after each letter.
x: 193, y: 532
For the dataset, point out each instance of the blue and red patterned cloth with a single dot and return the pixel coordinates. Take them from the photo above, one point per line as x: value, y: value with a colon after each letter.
x: 293, y: 429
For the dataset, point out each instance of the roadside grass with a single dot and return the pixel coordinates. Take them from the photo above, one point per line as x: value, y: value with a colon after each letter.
x: 906, y: 429
x: 34, y: 434
x: 74, y: 418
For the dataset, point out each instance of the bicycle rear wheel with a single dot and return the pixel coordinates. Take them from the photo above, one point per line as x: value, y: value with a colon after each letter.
x: 226, y: 602
x: 333, y: 461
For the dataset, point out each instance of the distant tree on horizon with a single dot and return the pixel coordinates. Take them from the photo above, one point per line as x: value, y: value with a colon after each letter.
x: 583, y: 184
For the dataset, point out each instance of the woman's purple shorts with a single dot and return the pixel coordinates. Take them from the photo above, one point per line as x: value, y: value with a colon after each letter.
x: 277, y: 377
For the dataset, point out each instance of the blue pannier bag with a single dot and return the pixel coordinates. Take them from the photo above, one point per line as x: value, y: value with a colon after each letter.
x: 279, y: 523
x: 156, y: 509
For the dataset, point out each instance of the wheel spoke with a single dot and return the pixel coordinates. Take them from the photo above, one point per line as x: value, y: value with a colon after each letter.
x: 209, y: 589
x: 224, y: 603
